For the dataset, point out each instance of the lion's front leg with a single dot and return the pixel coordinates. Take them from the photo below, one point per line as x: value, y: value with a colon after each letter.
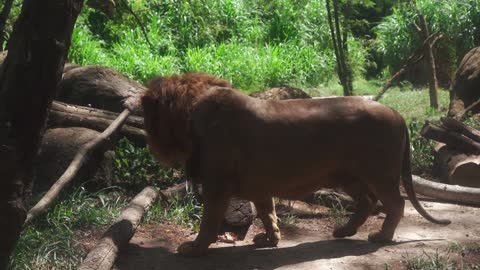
x: 266, y: 212
x: 214, y: 207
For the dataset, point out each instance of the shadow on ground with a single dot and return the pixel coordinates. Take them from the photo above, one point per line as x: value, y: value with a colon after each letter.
x: 245, y: 257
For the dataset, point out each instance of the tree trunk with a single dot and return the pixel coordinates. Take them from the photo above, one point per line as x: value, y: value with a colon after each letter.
x: 432, y: 73
x: 456, y: 168
x: 340, y: 47
x: 3, y: 21
x: 29, y: 80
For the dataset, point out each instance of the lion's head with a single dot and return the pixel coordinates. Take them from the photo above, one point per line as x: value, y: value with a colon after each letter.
x: 167, y: 106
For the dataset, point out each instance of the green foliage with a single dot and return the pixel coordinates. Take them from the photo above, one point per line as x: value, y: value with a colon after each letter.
x: 472, y: 122
x: 434, y: 261
x: 187, y: 212
x: 49, y: 242
x: 421, y: 149
x: 413, y: 103
x: 136, y: 167
x: 458, y: 21
x: 256, y: 67
x: 255, y: 44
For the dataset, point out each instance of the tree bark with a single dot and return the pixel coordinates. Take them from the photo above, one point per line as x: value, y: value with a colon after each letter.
x: 448, y: 137
x: 457, y: 126
x: 462, y: 114
x: 340, y: 46
x: 132, y: 120
x: 103, y: 256
x: 428, y: 53
x: 65, y: 115
x: 72, y: 170
x: 29, y: 80
x: 456, y: 168
x: 452, y: 193
x: 3, y: 21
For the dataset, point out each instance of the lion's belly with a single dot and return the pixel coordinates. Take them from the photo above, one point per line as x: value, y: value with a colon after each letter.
x: 288, y: 186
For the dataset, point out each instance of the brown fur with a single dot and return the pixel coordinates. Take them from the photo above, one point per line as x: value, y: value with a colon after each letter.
x: 236, y: 145
x: 168, y: 105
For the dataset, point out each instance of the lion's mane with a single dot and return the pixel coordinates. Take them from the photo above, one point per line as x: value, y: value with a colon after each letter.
x: 167, y: 106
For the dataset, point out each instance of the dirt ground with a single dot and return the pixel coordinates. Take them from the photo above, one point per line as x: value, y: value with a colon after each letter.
x: 307, y: 243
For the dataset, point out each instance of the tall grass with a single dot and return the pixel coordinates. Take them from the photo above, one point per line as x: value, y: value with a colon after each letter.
x: 51, y: 241
x: 255, y: 44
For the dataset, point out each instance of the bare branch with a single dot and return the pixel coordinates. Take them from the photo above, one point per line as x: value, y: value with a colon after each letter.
x: 72, y: 170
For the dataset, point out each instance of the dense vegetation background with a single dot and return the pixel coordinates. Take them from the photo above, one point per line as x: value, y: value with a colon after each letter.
x: 256, y: 44
x: 259, y: 44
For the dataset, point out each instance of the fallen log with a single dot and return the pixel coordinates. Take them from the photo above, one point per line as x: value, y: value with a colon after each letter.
x: 72, y: 170
x: 455, y: 167
x: 451, y: 193
x: 443, y: 135
x: 457, y: 126
x: 103, y: 256
x: 96, y: 121
x: 132, y: 120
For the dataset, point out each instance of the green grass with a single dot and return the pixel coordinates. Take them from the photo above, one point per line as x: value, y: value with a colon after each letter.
x: 52, y: 240
x: 186, y: 212
x: 438, y: 261
x: 434, y: 261
x: 413, y: 104
x: 339, y: 214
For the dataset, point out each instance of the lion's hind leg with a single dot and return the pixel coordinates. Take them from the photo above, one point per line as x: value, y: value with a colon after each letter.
x: 365, y: 202
x: 393, y: 205
x: 266, y: 212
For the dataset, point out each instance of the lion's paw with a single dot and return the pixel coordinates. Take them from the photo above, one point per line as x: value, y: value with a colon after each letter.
x: 191, y: 249
x: 379, y: 237
x: 343, y: 232
x: 261, y: 240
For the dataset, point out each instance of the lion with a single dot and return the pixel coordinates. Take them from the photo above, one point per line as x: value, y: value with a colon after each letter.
x: 237, y: 145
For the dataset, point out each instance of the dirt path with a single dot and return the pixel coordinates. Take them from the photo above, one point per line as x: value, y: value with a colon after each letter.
x: 308, y: 244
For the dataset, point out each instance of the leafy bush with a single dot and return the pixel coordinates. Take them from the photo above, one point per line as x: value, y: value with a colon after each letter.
x: 421, y: 149
x: 256, y: 67
x: 458, y: 21
x: 136, y: 167
x: 248, y: 42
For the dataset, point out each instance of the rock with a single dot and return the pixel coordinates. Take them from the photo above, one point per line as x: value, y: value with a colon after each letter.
x: 59, y: 146
x: 99, y: 87
x: 69, y: 66
x: 281, y: 93
x: 465, y: 88
x: 238, y: 218
x: 240, y: 213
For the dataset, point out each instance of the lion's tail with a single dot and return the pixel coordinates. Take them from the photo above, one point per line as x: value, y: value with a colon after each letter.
x: 408, y: 185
